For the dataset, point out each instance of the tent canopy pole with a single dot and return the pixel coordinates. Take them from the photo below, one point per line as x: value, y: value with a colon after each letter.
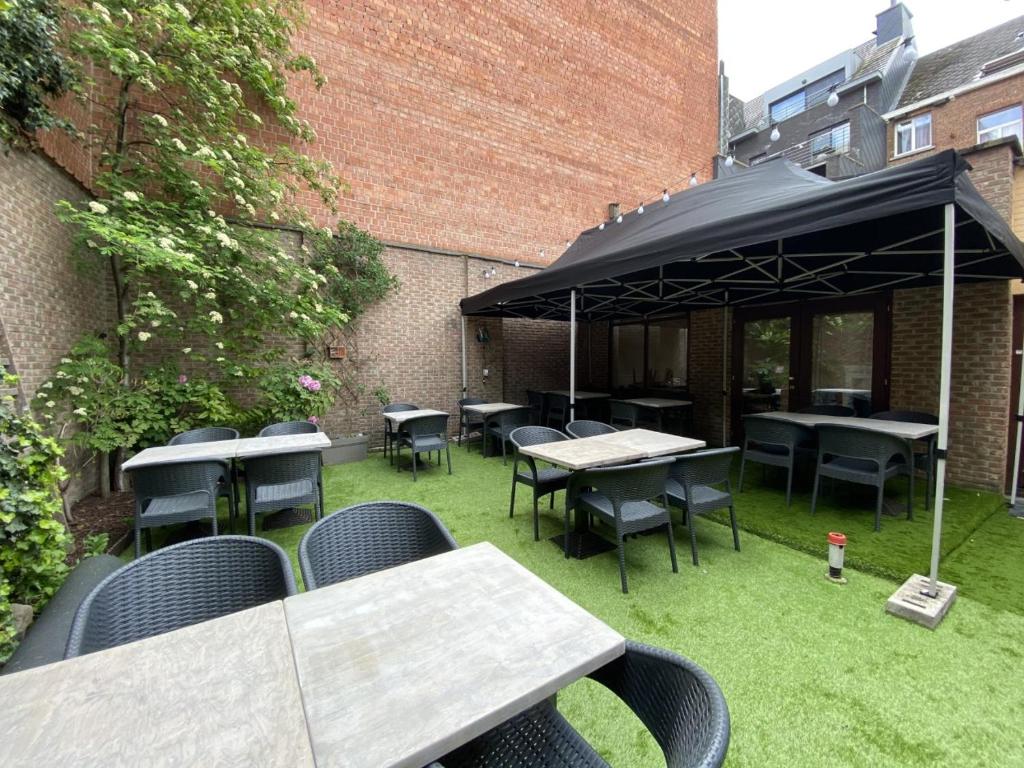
x: 572, y: 355
x: 948, y: 268
x: 464, y: 382
x: 1020, y: 429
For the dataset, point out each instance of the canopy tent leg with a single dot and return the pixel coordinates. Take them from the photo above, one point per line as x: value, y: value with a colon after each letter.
x: 464, y: 381
x: 927, y: 600
x: 725, y: 374
x: 1015, y: 510
x: 572, y: 355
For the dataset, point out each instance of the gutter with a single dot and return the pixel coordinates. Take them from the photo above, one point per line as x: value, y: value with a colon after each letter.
x: 954, y: 92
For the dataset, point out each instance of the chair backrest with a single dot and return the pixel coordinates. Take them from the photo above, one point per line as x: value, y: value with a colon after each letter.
x: 178, y: 586
x: 289, y: 428
x: 524, y: 436
x: 204, y: 435
x: 426, y: 426
x: 559, y: 404
x: 535, y: 399
x: 511, y: 419
x: 765, y: 430
x: 281, y: 468
x: 914, y: 417
x: 172, y: 479
x: 369, y: 537
x: 828, y: 410
x: 629, y: 482
x: 623, y: 413
x: 471, y: 401
x: 709, y: 467
x: 860, y: 443
x: 588, y: 428
x: 396, y: 407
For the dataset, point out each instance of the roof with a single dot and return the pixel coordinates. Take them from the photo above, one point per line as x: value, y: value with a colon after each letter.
x: 768, y: 234
x: 960, y: 63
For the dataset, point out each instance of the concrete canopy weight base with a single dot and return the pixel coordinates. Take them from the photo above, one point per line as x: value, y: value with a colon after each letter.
x: 912, y: 602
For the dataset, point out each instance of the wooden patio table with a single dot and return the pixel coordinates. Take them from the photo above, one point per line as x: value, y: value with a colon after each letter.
x: 623, y: 447
x: 226, y: 450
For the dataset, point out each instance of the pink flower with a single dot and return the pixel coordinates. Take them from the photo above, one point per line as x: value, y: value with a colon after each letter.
x: 313, y: 386
x: 313, y: 420
x: 182, y: 379
x: 304, y: 379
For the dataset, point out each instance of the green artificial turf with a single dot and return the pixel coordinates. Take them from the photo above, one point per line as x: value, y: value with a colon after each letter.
x: 814, y: 673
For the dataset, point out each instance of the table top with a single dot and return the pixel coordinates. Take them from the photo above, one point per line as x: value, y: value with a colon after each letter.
x: 580, y: 394
x: 400, y: 417
x: 399, y: 667
x: 489, y: 409
x: 907, y: 430
x: 658, y: 402
x: 222, y: 692
x: 613, y: 448
x: 225, y: 450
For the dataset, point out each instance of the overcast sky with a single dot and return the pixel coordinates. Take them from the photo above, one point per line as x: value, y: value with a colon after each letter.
x: 764, y: 42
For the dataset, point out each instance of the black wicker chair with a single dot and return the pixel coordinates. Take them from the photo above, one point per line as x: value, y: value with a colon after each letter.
x: 862, y: 456
x: 424, y: 434
x: 676, y: 700
x: 924, y: 460
x: 391, y: 434
x: 829, y: 410
x: 289, y: 428
x: 587, y: 428
x: 535, y: 400
x: 204, y: 435
x: 692, y: 481
x: 176, y: 493
x: 228, y: 487
x: 500, y: 426
x: 369, y: 537
x: 283, y: 481
x: 542, y: 481
x: 178, y: 586
x: 556, y: 408
x: 775, y: 443
x: 620, y: 496
x: 623, y: 414
x: 468, y: 421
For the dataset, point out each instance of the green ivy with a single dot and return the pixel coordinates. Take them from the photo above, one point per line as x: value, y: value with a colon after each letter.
x: 33, y: 541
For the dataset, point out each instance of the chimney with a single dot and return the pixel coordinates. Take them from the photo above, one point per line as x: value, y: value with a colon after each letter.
x: 893, y: 23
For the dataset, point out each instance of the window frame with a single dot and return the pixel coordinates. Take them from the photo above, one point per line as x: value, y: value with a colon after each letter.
x: 1019, y: 122
x: 645, y: 323
x: 912, y: 123
x: 830, y: 133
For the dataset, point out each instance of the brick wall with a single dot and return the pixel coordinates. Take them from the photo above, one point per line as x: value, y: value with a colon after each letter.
x: 705, y: 368
x: 980, y: 395
x: 47, y: 303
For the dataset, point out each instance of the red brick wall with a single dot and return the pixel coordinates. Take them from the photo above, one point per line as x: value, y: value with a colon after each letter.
x: 706, y: 344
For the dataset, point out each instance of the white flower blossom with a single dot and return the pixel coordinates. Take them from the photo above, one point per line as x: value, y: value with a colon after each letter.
x: 238, y: 372
x: 154, y: 323
x: 150, y: 295
x: 166, y: 243
x: 219, y: 345
x: 220, y: 359
x: 192, y: 284
x: 179, y: 144
x: 80, y: 412
x: 252, y: 299
x: 50, y: 404
x: 160, y: 119
x: 76, y: 391
x: 131, y: 196
x: 130, y: 55
x: 211, y: 214
x: 240, y: 200
x: 182, y: 10
x: 186, y: 350
x: 274, y: 216
x: 144, y: 335
x: 293, y: 315
x: 61, y: 375
x: 216, y: 317
x: 223, y: 239
x: 127, y: 16
x: 102, y: 11
x: 257, y: 119
x: 65, y: 361
x: 48, y: 385
x: 203, y: 152
x: 210, y: 295
x: 252, y: 210
x: 96, y: 207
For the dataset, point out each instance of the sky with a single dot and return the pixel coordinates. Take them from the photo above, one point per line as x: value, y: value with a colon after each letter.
x: 764, y: 42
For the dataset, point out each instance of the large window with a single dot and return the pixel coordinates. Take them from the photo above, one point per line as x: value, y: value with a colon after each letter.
x: 654, y: 354
x: 834, y: 139
x: 807, y: 97
x: 1005, y: 122
x: 914, y: 134
x: 785, y: 108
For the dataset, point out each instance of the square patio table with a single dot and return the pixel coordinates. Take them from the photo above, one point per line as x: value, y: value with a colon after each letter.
x: 623, y: 447
x: 223, y: 692
x: 397, y: 418
x: 659, y: 405
x: 580, y: 394
x: 906, y: 430
x: 226, y: 450
x: 401, y: 666
x: 489, y: 409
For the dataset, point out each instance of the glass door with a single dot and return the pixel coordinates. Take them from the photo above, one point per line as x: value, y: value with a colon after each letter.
x: 842, y: 357
x: 766, y: 364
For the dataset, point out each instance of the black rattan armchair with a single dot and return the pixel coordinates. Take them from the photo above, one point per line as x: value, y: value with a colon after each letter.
x: 542, y: 481
x: 369, y: 537
x: 204, y: 435
x: 588, y: 428
x: 698, y: 483
x: 390, y: 433
x: 829, y: 410
x: 176, y: 493
x: 282, y: 481
x: 556, y: 408
x: 676, y: 700
x: 623, y: 414
x: 424, y: 434
x: 500, y: 426
x: 468, y: 421
x: 535, y: 400
x: 621, y: 497
x: 178, y: 586
x: 863, y: 456
x: 924, y: 460
x: 775, y: 443
x: 289, y: 428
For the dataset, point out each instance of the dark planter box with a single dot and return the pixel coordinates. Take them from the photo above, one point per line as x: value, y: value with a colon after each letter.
x: 346, y: 449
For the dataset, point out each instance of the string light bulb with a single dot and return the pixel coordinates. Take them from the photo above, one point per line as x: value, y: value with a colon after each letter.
x: 567, y: 244
x: 664, y: 196
x: 640, y: 210
x: 729, y: 160
x: 833, y: 98
x: 601, y: 225
x: 618, y: 219
x: 775, y: 135
x: 693, y: 179
x: 517, y: 263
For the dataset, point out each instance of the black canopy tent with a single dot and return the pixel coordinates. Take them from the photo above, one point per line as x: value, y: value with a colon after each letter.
x: 775, y: 233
